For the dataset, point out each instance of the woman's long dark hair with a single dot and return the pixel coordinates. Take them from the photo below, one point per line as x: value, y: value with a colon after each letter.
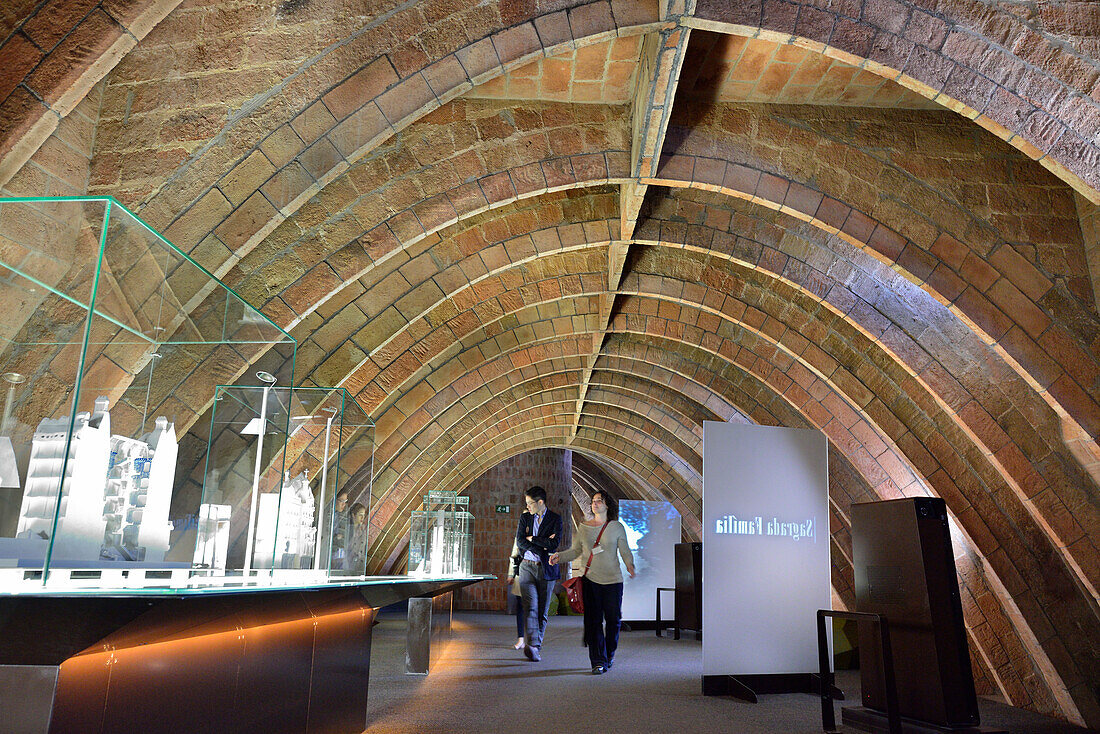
x: 612, y: 505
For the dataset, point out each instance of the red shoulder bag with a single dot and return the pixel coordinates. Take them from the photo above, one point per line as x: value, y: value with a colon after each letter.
x: 572, y: 586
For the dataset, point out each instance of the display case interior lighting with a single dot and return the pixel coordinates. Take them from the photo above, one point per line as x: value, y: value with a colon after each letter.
x: 257, y: 427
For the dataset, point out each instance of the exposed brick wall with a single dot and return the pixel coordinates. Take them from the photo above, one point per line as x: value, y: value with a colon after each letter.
x: 600, y: 73
x: 1074, y: 22
x: 60, y: 167
x: 1089, y: 214
x: 56, y: 245
x: 494, y: 532
x: 977, y: 58
x: 726, y: 68
x: 58, y: 51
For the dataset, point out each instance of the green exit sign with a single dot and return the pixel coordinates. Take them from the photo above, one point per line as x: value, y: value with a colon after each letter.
x: 504, y: 509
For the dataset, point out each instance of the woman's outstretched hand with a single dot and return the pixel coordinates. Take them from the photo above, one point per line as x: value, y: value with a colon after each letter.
x: 554, y: 558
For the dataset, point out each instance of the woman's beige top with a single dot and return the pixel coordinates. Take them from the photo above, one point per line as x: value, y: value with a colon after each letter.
x: 605, y: 567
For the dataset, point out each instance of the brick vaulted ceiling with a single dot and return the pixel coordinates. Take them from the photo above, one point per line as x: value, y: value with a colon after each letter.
x: 594, y: 225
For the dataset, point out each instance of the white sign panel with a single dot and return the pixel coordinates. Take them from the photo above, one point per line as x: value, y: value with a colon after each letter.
x: 652, y: 530
x: 765, y: 548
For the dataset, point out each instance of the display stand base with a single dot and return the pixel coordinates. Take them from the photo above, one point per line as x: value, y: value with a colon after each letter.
x: 865, y: 719
x: 748, y: 687
x: 429, y: 627
x: 278, y: 661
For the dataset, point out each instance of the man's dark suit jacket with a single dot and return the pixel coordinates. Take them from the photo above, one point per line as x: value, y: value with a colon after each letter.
x: 542, y: 545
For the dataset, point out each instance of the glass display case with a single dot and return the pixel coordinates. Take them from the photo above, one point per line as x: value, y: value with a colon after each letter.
x: 111, y: 344
x: 464, y: 538
x: 440, y: 536
x: 289, y: 470
x: 418, y: 543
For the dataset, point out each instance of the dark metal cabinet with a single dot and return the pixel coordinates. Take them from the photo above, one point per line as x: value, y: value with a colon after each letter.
x: 689, y: 586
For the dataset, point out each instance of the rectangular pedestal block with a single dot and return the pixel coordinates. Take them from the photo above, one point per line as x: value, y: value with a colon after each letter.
x: 429, y: 626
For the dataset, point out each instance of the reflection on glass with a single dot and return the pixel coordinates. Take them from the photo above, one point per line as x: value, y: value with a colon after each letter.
x: 130, y: 454
x: 440, y: 536
x: 309, y: 481
x: 9, y: 470
x: 652, y: 532
x: 111, y: 344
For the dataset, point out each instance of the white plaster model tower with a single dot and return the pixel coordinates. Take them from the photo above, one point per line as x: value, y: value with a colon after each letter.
x: 296, y: 515
x: 127, y: 468
x: 139, y: 495
x: 154, y: 529
x: 81, y: 522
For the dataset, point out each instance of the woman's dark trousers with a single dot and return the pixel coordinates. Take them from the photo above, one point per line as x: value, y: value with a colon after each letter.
x: 521, y: 616
x: 603, y: 613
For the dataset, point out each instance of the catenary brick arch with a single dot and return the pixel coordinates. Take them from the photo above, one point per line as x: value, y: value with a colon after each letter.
x: 936, y: 310
x: 1001, y: 301
x: 896, y: 340
x: 1014, y: 78
x: 460, y: 482
x: 759, y: 198
x: 937, y: 46
x: 383, y: 393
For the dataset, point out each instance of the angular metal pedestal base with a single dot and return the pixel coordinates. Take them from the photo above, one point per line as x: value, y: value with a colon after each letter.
x: 271, y: 661
x: 28, y: 692
x: 429, y: 626
x: 866, y: 719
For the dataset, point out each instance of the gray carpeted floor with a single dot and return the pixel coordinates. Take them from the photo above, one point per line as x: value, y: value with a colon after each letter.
x: 480, y: 684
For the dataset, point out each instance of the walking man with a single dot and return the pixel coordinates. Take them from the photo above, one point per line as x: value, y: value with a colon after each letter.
x: 537, y: 537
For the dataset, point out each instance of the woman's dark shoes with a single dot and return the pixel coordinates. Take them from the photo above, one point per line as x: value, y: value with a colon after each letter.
x: 599, y: 670
x: 610, y: 663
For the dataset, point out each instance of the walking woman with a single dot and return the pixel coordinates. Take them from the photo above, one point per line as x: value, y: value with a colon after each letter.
x: 601, y: 541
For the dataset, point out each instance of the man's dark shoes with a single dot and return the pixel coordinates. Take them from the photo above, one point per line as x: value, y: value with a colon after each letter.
x: 532, y: 653
x: 599, y: 670
x: 610, y: 663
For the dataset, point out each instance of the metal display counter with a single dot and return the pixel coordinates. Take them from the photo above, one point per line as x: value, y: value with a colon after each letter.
x: 223, y: 659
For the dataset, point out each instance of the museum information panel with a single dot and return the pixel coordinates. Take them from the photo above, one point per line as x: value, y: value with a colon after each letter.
x: 765, y: 548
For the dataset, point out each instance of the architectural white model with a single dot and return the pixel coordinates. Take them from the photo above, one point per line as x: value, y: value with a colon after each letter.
x: 128, y: 470
x: 212, y: 536
x: 139, y: 495
x: 81, y: 523
x: 115, y: 495
x: 285, y: 525
x: 297, y: 534
x: 153, y: 528
x: 440, y: 536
